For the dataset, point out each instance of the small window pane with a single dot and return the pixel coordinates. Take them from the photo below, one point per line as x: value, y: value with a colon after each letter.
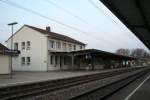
x: 15, y: 46
x: 28, y: 45
x: 23, y: 45
x: 74, y: 47
x: 64, y: 46
x: 70, y: 47
x: 28, y: 60
x: 22, y: 60
x: 58, y: 45
x: 51, y: 44
x: 80, y: 47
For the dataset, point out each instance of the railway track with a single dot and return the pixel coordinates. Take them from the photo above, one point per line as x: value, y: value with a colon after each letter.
x: 40, y: 88
x: 108, y: 90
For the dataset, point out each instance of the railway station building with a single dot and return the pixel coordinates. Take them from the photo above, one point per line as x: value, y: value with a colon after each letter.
x: 44, y: 50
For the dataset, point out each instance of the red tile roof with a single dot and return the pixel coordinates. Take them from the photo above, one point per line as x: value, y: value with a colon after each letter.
x: 56, y: 35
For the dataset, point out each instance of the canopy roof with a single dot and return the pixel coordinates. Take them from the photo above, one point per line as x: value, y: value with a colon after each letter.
x: 4, y: 50
x: 135, y: 14
x: 96, y: 52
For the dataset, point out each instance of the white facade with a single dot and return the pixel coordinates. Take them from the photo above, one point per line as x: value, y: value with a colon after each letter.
x: 63, y: 47
x: 35, y: 50
x: 4, y: 67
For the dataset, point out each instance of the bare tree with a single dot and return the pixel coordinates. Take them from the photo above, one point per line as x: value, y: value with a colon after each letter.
x: 125, y: 52
x: 138, y: 52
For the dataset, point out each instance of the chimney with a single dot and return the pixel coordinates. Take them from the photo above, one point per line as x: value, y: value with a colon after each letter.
x: 48, y: 29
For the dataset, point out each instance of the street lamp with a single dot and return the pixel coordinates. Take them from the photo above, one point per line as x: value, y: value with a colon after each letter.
x: 11, y: 24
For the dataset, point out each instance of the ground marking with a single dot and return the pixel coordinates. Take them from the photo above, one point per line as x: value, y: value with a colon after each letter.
x: 128, y: 97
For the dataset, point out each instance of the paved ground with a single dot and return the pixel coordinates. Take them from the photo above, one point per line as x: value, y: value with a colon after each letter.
x: 137, y: 90
x: 29, y: 77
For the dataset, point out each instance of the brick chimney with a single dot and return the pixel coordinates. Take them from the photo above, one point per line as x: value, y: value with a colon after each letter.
x: 48, y: 29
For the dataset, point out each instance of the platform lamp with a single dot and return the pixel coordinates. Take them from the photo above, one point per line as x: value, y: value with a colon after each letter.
x: 11, y: 24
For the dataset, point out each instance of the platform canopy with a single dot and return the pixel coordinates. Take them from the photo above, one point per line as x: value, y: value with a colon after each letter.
x: 95, y: 53
x: 135, y: 14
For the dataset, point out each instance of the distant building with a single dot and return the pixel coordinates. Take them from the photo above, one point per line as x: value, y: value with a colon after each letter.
x: 36, y: 46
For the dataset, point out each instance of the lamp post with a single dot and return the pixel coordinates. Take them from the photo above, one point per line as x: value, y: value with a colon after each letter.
x: 11, y: 24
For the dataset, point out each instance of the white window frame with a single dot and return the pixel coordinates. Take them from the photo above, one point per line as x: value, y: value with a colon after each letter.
x: 81, y: 47
x: 16, y: 47
x: 28, y: 60
x: 58, y: 45
x: 51, y: 43
x: 70, y: 47
x: 28, y: 45
x: 64, y: 46
x: 23, y: 61
x: 23, y: 45
x: 74, y: 47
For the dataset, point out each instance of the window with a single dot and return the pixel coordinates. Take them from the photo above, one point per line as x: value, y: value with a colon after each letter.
x: 74, y: 47
x: 51, y: 44
x: 80, y: 47
x: 23, y: 45
x: 22, y: 60
x: 64, y: 46
x: 28, y: 60
x: 15, y: 46
x: 70, y: 47
x: 28, y: 45
x: 51, y: 60
x: 56, y: 60
x: 58, y: 45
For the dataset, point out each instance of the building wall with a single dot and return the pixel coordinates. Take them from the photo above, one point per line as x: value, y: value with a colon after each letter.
x: 57, y: 66
x: 37, y: 52
x: 4, y: 67
x: 78, y: 46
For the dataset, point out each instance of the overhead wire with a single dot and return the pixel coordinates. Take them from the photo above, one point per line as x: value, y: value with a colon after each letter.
x: 72, y: 14
x: 67, y: 11
x: 48, y: 18
x: 101, y: 11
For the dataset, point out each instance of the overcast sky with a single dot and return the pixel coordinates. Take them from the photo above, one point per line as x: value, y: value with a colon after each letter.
x: 92, y: 24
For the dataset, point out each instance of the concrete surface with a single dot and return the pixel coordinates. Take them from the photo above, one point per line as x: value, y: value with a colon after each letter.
x: 29, y: 77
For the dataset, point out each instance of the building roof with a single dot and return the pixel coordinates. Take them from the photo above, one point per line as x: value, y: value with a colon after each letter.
x: 135, y: 14
x: 2, y: 47
x: 56, y: 35
x: 4, y: 50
